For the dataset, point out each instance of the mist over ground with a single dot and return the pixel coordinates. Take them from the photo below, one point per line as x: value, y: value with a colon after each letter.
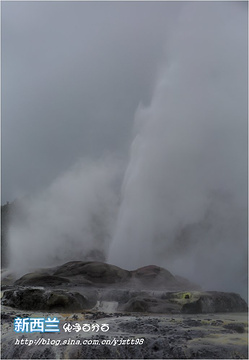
x: 179, y: 200
x: 72, y: 220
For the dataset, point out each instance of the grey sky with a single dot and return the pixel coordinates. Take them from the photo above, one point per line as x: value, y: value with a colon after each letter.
x: 73, y: 75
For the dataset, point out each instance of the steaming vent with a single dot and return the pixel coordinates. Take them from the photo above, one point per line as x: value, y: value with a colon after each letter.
x: 106, y: 306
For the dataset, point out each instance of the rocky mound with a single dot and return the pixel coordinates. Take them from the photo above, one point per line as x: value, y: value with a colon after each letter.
x: 215, y: 302
x: 155, y: 277
x: 94, y: 273
x: 50, y: 300
x: 187, y: 303
x: 79, y: 285
x: 36, y: 279
x: 150, y: 304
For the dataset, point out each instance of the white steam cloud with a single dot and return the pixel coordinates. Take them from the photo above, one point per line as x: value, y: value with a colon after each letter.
x: 72, y: 220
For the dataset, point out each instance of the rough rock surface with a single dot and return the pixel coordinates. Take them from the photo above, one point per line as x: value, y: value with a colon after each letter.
x: 34, y: 298
x: 182, y: 302
x: 51, y: 300
x: 214, y: 302
x: 150, y: 304
x: 182, y: 336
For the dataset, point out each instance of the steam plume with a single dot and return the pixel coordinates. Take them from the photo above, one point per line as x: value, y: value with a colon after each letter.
x: 185, y: 189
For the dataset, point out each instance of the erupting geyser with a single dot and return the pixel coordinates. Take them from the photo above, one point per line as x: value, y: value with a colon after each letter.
x: 184, y: 198
x: 183, y: 202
